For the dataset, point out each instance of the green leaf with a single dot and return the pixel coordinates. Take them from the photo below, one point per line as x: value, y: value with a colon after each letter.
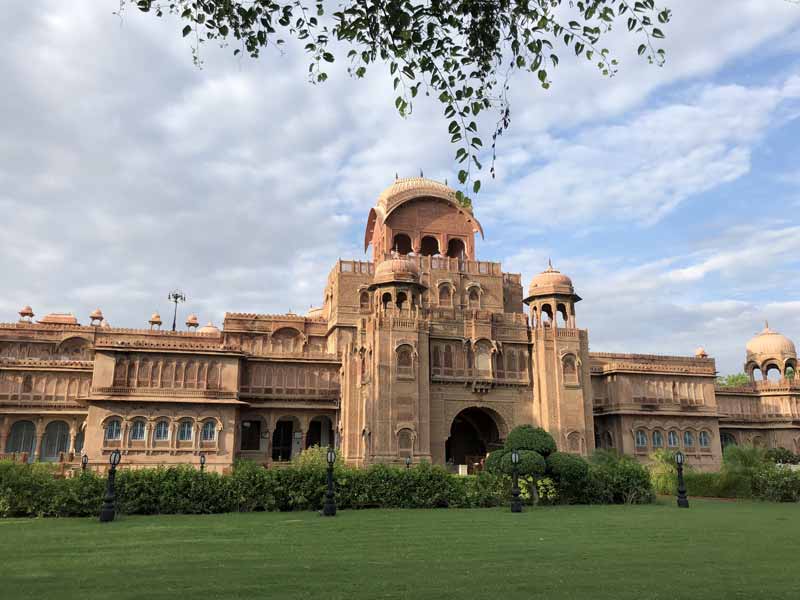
x: 187, y: 30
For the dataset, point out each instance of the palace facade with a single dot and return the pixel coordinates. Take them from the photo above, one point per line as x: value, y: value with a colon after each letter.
x: 424, y: 352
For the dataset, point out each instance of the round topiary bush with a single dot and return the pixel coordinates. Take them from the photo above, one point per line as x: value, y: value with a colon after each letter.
x: 527, y: 437
x: 530, y: 463
x: 567, y: 467
x: 493, y: 462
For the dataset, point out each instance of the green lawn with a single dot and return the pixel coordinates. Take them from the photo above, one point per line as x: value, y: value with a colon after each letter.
x: 713, y: 550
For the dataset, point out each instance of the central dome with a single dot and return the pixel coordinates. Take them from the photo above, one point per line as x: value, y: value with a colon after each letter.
x: 398, y: 269
x: 771, y: 343
x: 413, y: 187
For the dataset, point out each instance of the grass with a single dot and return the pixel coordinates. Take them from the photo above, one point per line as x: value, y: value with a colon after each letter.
x: 713, y: 550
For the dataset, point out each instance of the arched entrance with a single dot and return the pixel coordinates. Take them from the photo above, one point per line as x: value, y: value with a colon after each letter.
x: 320, y: 432
x: 56, y: 441
x: 473, y: 433
x: 22, y: 438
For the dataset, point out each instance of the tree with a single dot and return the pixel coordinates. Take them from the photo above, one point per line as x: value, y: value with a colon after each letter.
x: 462, y: 52
x: 733, y: 380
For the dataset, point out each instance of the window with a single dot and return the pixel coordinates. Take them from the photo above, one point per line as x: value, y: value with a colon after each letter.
x: 474, y: 299
x: 209, y: 431
x: 137, y: 431
x: 364, y: 300
x: 185, y: 431
x: 658, y: 439
x: 113, y: 429
x: 641, y: 439
x: 405, y: 361
x: 688, y: 439
x: 672, y: 439
x: 444, y: 295
x: 162, y: 431
x: 705, y: 439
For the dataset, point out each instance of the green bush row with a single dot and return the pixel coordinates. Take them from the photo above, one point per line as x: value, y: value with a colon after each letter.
x: 32, y: 490
x: 746, y: 472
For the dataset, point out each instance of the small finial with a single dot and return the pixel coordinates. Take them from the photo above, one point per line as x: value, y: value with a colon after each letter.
x: 550, y: 263
x: 396, y: 177
x: 421, y: 174
x: 445, y: 180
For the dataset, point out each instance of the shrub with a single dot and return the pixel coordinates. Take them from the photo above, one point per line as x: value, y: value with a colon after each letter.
x: 782, y: 456
x: 744, y: 460
x: 570, y: 473
x: 493, y: 461
x: 777, y: 484
x: 530, y: 463
x: 622, y: 481
x: 527, y: 437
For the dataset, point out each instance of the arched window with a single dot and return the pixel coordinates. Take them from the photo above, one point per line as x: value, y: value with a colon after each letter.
x: 673, y: 439
x: 405, y: 361
x: 772, y: 372
x: 574, y: 442
x: 162, y: 431
x: 570, y: 369
x: 185, y: 431
x: 113, y: 429
x: 79, y: 441
x: 474, y: 299
x: 405, y: 442
x: 209, y: 431
x: 705, y: 439
x: 688, y: 439
x: 402, y: 243
x: 364, y: 300
x: 641, y: 439
x: 444, y: 295
x: 401, y: 300
x: 727, y: 439
x: 658, y: 439
x: 429, y: 246
x: 456, y: 248
x: 137, y: 431
x: 22, y: 437
x: 386, y: 299
x: 483, y: 358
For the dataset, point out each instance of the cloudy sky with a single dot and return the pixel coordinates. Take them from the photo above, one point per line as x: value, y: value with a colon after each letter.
x: 671, y: 195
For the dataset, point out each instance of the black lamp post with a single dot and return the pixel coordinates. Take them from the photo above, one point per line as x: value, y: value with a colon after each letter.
x: 107, y: 512
x: 516, y: 503
x: 683, y: 500
x: 329, y: 508
x: 408, y: 462
x: 84, y: 463
x: 176, y: 296
x: 202, y: 462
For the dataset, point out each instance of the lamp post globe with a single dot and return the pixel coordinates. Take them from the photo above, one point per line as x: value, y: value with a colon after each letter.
x: 84, y: 462
x: 408, y: 462
x: 516, y: 503
x: 202, y: 462
x: 683, y: 499
x: 108, y: 512
x: 329, y: 508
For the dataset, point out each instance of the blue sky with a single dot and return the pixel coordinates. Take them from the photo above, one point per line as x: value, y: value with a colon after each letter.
x: 671, y: 195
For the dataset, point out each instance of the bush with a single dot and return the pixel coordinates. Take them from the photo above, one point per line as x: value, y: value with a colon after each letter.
x: 744, y: 460
x: 527, y: 437
x: 530, y: 463
x: 619, y: 481
x: 570, y: 473
x: 777, y: 484
x: 782, y: 456
x: 493, y: 461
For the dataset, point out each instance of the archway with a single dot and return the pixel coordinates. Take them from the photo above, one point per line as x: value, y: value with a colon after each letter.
x: 456, y: 248
x: 22, y: 438
x: 287, y: 439
x: 402, y: 243
x: 429, y: 246
x: 473, y: 433
x: 320, y: 432
x: 56, y: 441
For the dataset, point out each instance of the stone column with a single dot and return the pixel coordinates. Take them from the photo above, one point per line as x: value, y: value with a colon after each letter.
x: 37, y: 451
x: 5, y: 424
x: 72, y: 433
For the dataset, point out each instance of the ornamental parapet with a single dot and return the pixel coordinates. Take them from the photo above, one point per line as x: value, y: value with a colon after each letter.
x: 785, y: 385
x: 162, y: 392
x: 35, y: 363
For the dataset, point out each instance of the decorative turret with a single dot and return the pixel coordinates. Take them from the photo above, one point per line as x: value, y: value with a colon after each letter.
x: 192, y: 322
x: 770, y: 350
x: 155, y: 321
x: 549, y: 294
x: 26, y: 314
x: 209, y: 329
x: 701, y: 352
x: 96, y: 317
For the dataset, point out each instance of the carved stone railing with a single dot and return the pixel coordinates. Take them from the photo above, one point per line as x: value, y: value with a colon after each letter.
x: 163, y: 392
x: 40, y: 363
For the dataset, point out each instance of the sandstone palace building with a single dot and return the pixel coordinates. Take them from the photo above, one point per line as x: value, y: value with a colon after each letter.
x: 424, y: 352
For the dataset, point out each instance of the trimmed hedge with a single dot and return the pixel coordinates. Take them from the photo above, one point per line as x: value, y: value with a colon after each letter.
x: 32, y: 490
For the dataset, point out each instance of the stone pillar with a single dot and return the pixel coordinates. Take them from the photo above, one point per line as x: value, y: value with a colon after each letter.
x: 37, y: 450
x: 72, y: 434
x: 5, y: 424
